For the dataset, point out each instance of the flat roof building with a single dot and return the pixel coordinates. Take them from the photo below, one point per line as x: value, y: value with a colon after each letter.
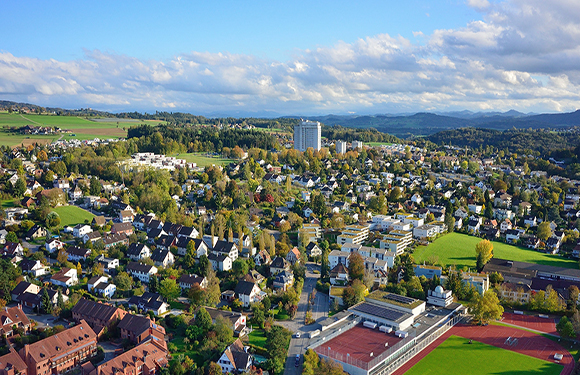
x: 307, y: 134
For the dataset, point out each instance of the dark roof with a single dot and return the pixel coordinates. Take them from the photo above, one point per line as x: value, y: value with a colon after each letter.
x: 27, y: 264
x: 244, y: 288
x: 190, y: 279
x: 78, y: 251
x: 118, y: 227
x: 135, y: 324
x: 135, y: 249
x: 159, y: 255
x: 165, y: 240
x: 279, y: 262
x: 20, y: 288
x: 224, y: 246
x: 93, y: 309
x: 381, y: 312
x: 139, y: 267
x: 185, y: 231
x: 114, y: 238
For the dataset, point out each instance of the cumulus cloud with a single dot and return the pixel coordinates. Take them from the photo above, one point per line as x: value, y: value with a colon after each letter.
x: 523, y: 54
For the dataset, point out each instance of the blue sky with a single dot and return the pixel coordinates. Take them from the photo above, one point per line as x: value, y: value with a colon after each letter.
x: 292, y: 57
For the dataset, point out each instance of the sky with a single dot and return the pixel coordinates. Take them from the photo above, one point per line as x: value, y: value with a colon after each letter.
x: 293, y: 57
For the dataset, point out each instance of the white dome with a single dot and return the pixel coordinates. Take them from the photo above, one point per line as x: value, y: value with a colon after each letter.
x: 439, y: 289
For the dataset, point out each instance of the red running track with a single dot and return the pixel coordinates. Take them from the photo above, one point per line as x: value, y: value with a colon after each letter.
x: 529, y: 343
x: 533, y: 322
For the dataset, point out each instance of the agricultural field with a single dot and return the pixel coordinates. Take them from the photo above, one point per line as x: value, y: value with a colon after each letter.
x: 203, y: 160
x: 82, y: 128
x: 459, y: 249
x: 456, y: 356
x: 73, y: 215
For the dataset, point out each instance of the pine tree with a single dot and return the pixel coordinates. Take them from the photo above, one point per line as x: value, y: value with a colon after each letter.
x: 153, y: 284
x: 46, y: 303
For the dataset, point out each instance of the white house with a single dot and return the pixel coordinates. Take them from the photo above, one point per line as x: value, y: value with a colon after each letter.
x: 137, y: 251
x: 80, y: 230
x: 141, y: 271
x: 162, y: 258
x: 54, y: 245
x: 220, y: 262
x: 235, y: 359
x: 248, y: 293
x: 65, y: 277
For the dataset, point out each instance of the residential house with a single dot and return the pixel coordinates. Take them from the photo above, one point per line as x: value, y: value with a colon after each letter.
x: 100, y: 285
x: 80, y: 230
x: 220, y: 262
x: 278, y: 265
x: 235, y: 359
x: 12, y: 249
x: 149, y: 357
x: 512, y: 235
x: 77, y: 254
x: 65, y: 277
x: 77, y: 345
x: 112, y: 240
x: 137, y: 328
x: 126, y: 216
x: 339, y: 275
x: 92, y: 236
x: 263, y: 257
x: 237, y: 320
x: 141, y: 271
x: 186, y: 281
x: 503, y: 200
x: 125, y: 228
x: 137, y: 251
x: 34, y: 267
x: 312, y: 250
x: 11, y: 317
x: 107, y: 263
x: 97, y: 315
x: 149, y: 302
x: 248, y: 293
x: 162, y: 258
x: 54, y: 245
x: 35, y: 232
x: 283, y: 280
x: 293, y: 256
x: 200, y: 248
x: 226, y: 248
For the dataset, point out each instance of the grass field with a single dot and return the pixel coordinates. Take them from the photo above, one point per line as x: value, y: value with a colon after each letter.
x: 375, y: 144
x: 202, y: 160
x: 7, y: 203
x: 456, y: 356
x: 258, y: 338
x: 72, y: 215
x: 82, y: 128
x: 459, y: 249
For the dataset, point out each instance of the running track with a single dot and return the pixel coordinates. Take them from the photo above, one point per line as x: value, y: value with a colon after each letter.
x: 532, y: 322
x: 529, y: 343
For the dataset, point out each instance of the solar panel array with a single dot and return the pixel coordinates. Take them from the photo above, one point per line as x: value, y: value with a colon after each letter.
x: 400, y: 299
x: 380, y: 311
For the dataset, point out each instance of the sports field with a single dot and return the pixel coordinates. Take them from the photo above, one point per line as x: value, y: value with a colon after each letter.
x: 459, y: 249
x: 81, y: 127
x: 202, y: 160
x: 73, y: 215
x: 456, y: 356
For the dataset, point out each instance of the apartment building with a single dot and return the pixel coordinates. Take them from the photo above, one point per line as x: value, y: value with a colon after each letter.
x: 354, y: 234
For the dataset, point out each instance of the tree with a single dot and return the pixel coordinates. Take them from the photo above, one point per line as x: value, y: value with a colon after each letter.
x: 544, y: 231
x: 565, y: 328
x: 124, y: 281
x: 196, y: 295
x: 277, y: 341
x: 484, y: 252
x: 153, y: 284
x: 395, y: 194
x: 485, y: 308
x: 62, y: 256
x: 449, y: 222
x: 214, y: 369
x: 204, y: 265
x: 52, y: 220
x: 11, y: 237
x: 60, y: 300
x: 169, y: 289
x: 19, y: 187
x: 213, y: 292
x: 319, y: 204
x: 189, y: 259
x: 240, y: 267
x: 95, y: 187
x: 203, y: 320
x: 356, y: 266
x: 45, y: 302
x: 79, y: 269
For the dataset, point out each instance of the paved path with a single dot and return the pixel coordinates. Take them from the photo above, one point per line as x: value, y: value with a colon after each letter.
x: 319, y: 311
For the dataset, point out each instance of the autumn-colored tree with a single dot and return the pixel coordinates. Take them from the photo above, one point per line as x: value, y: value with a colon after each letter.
x: 356, y: 267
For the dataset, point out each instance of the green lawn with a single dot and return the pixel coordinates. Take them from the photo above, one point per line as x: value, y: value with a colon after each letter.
x: 257, y: 338
x: 375, y: 144
x: 7, y: 203
x: 72, y: 215
x: 202, y: 160
x: 456, y: 356
x: 459, y: 249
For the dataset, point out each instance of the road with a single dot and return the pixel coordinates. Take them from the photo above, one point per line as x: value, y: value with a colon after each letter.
x: 319, y: 312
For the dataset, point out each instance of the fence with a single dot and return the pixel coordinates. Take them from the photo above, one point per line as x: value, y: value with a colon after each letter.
x: 393, y: 365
